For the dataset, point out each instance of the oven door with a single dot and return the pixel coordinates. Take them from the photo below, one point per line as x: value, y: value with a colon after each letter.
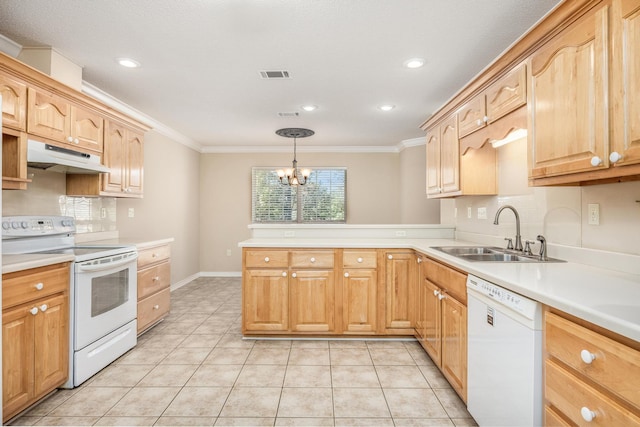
x: 105, y: 296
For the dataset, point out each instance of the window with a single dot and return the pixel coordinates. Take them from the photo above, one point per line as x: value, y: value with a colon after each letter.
x: 322, y: 199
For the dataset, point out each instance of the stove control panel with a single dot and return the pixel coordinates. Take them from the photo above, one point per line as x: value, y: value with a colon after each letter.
x: 26, y: 226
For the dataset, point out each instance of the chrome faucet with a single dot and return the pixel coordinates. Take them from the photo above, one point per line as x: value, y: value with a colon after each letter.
x: 518, y: 246
x: 543, y: 247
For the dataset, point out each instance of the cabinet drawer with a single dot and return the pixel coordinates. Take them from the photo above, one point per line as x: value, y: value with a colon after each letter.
x: 262, y: 259
x: 153, y: 255
x: 567, y: 393
x: 27, y: 285
x: 153, y: 279
x: 615, y: 367
x: 312, y: 259
x: 452, y: 281
x: 153, y: 308
x: 359, y: 259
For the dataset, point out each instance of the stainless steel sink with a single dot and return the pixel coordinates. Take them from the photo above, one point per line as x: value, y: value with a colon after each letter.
x: 490, y: 254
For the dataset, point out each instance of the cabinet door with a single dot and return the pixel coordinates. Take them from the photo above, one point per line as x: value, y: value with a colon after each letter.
x: 87, y: 129
x: 265, y: 300
x: 432, y: 326
x: 312, y: 301
x: 433, y: 162
x: 14, y: 103
x: 360, y: 298
x: 507, y: 93
x: 454, y: 344
x: 472, y: 116
x: 449, y: 156
x: 567, y: 104
x: 422, y: 309
x: 625, y: 81
x: 51, y: 343
x: 48, y: 115
x: 17, y: 359
x: 400, y: 283
x: 134, y: 169
x: 114, y: 158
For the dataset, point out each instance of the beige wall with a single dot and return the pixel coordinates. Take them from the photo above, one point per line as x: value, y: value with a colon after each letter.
x: 373, y: 196
x: 415, y: 208
x: 170, y: 207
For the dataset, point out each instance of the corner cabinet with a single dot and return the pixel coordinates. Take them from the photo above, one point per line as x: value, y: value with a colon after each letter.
x: 35, y: 335
x: 154, y: 285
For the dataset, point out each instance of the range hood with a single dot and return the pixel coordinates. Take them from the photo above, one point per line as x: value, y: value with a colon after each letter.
x: 53, y: 158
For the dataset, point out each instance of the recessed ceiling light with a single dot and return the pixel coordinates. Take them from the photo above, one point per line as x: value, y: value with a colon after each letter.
x: 386, y: 107
x: 309, y: 107
x: 414, y: 63
x: 128, y: 62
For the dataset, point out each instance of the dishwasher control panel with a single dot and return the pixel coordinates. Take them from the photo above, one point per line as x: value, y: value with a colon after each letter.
x: 507, y: 298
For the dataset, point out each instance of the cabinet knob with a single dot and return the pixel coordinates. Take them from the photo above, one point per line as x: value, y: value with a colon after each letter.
x: 76, y: 141
x: 359, y: 260
x: 44, y: 307
x: 346, y: 274
x: 587, y: 357
x: 419, y: 260
x: 615, y: 157
x: 294, y: 275
x: 266, y: 259
x: 34, y: 311
x: 587, y: 414
x: 390, y: 256
x: 155, y: 279
x: 436, y: 293
x: 156, y: 307
x: 441, y: 296
x: 596, y: 161
x: 69, y: 139
x: 312, y: 259
x: 39, y: 286
x: 485, y: 119
x: 284, y: 274
x: 479, y: 122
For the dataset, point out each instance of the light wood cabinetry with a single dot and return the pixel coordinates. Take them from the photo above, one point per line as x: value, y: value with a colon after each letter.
x: 591, y: 376
x: 35, y: 335
x: 14, y: 160
x: 400, y: 284
x: 14, y: 103
x: 442, y: 329
x: 443, y: 159
x: 154, y: 281
x: 124, y: 156
x: 360, y: 291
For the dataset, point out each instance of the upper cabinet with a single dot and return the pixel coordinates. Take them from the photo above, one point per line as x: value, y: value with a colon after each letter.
x: 14, y: 103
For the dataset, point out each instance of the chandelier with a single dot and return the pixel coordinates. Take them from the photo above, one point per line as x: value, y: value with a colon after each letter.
x: 294, y: 176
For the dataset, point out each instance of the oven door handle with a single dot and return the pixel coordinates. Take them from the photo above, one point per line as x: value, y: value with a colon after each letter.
x: 108, y: 265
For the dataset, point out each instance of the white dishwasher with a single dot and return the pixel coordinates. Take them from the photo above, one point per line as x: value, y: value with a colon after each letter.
x: 504, y: 378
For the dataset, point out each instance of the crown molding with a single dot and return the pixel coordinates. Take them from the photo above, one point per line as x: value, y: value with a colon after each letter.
x: 9, y: 47
x: 210, y: 149
x: 413, y: 142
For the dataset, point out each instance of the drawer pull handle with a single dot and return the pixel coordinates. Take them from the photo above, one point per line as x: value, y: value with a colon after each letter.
x: 156, y: 307
x: 39, y: 286
x: 34, y: 311
x: 390, y: 256
x: 312, y: 259
x: 294, y: 275
x: 587, y: 357
x: 44, y: 307
x: 266, y: 259
x: 587, y: 414
x: 346, y: 274
x: 155, y: 279
x: 359, y: 259
x: 284, y: 274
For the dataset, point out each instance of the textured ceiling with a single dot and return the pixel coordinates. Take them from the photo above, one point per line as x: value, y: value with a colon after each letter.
x: 200, y: 60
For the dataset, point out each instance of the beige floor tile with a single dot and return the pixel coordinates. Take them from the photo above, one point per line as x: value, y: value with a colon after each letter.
x: 211, y: 328
x: 201, y: 341
x: 309, y: 356
x: 268, y: 356
x: 179, y: 328
x: 391, y: 356
x: 186, y: 421
x: 347, y: 344
x: 215, y: 376
x: 421, y: 357
x: 90, y: 401
x: 186, y: 356
x: 239, y: 421
x: 25, y: 420
x: 413, y: 403
x: 310, y: 344
x: 306, y: 402
x: 424, y: 422
x: 67, y: 421
x: 198, y: 402
x: 51, y: 402
x: 272, y: 343
x: 235, y: 341
x: 163, y: 341
x: 144, y: 402
x: 464, y: 422
x: 168, y: 376
x: 359, y: 403
x: 120, y: 375
x: 227, y: 356
x: 144, y: 356
x: 354, y: 376
x: 401, y: 377
x: 434, y: 377
x: 194, y: 318
x: 261, y: 376
x: 126, y: 421
x: 452, y: 403
x: 365, y: 422
x: 307, y: 376
x: 252, y: 402
x: 350, y: 356
x: 386, y: 343
x: 304, y: 422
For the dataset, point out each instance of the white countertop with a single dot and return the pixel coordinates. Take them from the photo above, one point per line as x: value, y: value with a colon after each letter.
x: 13, y: 263
x: 604, y: 297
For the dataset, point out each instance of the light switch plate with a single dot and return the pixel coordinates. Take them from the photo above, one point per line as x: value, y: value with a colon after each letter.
x: 132, y: 212
x: 482, y: 213
x: 469, y: 212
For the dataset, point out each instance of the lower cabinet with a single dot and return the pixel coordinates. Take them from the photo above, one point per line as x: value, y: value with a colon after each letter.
x: 360, y: 292
x: 590, y: 375
x: 265, y: 300
x: 154, y: 281
x: 442, y: 320
x: 400, y: 302
x: 312, y: 297
x: 35, y: 335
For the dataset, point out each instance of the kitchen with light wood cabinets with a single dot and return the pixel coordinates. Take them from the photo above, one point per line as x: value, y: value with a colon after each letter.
x: 35, y: 335
x: 154, y: 281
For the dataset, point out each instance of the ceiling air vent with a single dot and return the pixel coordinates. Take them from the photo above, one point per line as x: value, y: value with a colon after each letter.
x: 294, y: 114
x: 275, y: 74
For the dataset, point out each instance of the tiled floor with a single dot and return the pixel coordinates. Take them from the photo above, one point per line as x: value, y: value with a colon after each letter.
x: 195, y: 369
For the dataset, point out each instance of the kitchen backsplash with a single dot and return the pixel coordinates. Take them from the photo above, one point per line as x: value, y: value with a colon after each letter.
x: 46, y: 196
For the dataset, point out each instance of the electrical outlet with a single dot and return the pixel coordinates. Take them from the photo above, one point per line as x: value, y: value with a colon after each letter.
x: 594, y: 213
x: 228, y: 252
x: 103, y: 213
x: 469, y: 212
x: 132, y: 213
x: 482, y: 213
x: 289, y: 233
x: 401, y: 233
